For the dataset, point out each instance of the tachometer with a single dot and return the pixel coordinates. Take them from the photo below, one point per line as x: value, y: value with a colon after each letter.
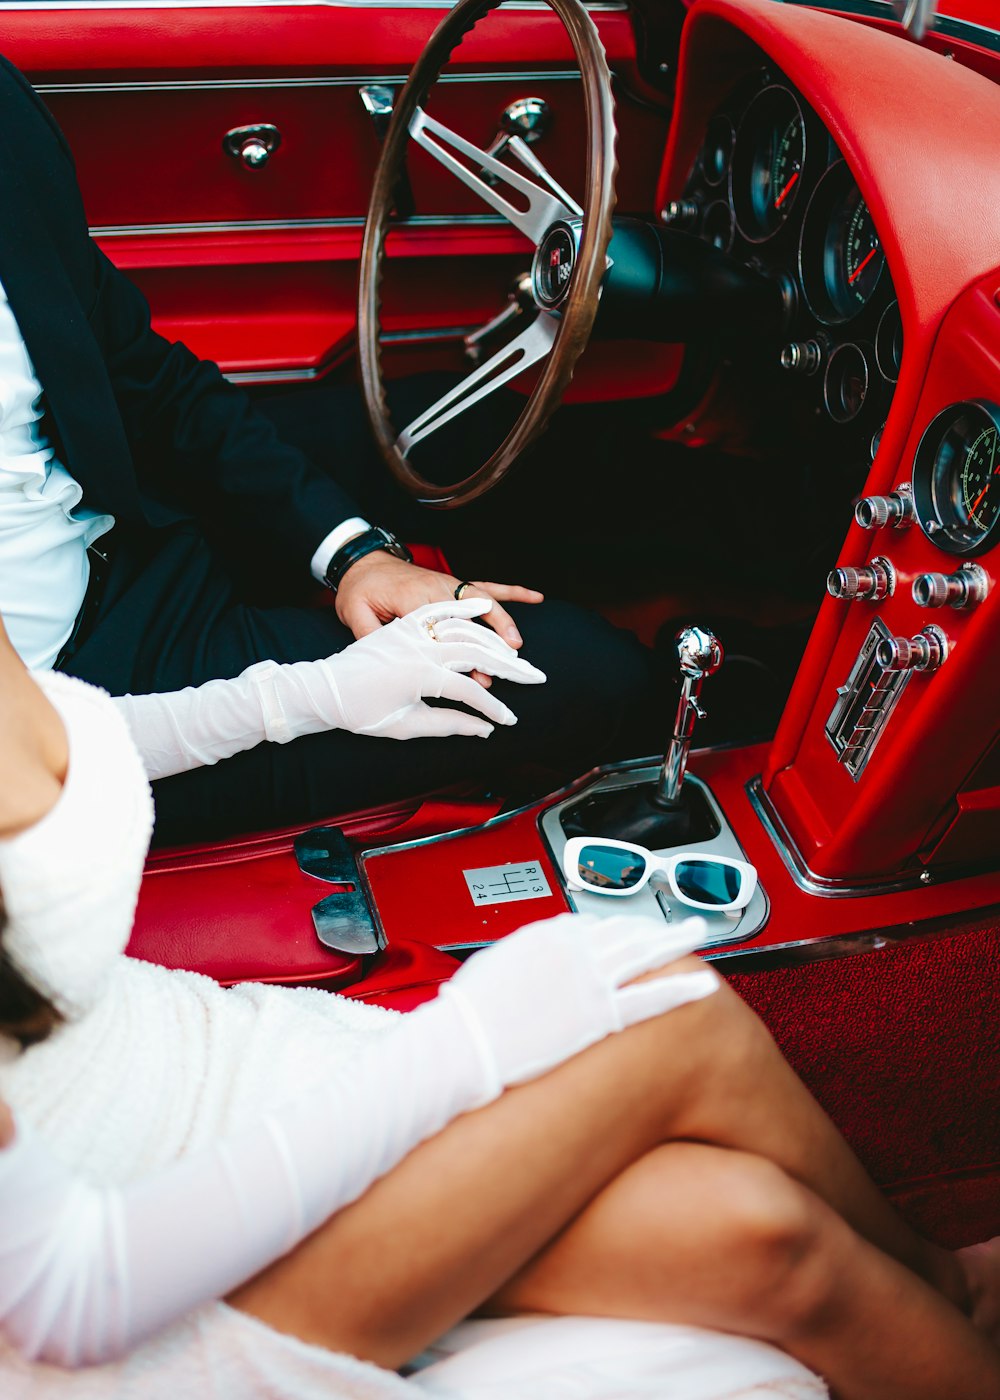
x: 767, y: 164
x: 840, y: 253
x: 956, y: 478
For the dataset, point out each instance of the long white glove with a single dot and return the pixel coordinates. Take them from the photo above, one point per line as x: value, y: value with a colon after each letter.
x: 86, y: 1273
x: 521, y: 1029
x: 376, y: 686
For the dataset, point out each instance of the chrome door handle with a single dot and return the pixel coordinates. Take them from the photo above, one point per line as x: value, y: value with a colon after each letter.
x: 252, y: 145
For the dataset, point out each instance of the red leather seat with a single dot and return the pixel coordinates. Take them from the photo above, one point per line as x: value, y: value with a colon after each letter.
x: 240, y: 910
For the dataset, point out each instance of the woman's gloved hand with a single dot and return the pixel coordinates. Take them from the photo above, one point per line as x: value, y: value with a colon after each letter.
x: 382, y: 681
x: 555, y: 987
x: 378, y: 685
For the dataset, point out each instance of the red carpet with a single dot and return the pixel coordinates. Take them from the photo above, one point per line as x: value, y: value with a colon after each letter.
x: 902, y: 1047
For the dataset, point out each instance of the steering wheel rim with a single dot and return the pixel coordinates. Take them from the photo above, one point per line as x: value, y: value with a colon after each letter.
x: 573, y: 317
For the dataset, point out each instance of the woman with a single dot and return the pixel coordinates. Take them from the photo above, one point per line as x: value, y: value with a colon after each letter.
x: 335, y: 1186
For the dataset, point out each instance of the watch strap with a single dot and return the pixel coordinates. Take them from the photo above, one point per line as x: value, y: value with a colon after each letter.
x: 365, y: 543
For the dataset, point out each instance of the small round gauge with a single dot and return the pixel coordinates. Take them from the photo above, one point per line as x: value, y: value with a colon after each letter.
x: 717, y: 150
x: 768, y: 158
x: 956, y: 478
x: 889, y: 343
x: 717, y: 226
x: 840, y: 253
x: 845, y: 384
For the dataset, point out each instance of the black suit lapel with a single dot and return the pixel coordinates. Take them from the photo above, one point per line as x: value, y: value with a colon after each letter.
x: 66, y: 356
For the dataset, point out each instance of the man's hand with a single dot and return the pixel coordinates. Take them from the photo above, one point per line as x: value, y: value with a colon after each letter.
x: 380, y: 587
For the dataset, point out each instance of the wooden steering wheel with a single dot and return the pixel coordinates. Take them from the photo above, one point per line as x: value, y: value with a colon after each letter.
x: 569, y: 262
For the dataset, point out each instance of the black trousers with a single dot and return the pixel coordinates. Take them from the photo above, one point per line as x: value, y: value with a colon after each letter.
x: 182, y: 606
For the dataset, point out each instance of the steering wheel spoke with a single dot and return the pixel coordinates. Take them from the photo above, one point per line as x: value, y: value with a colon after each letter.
x: 568, y: 268
x: 525, y: 350
x: 544, y: 205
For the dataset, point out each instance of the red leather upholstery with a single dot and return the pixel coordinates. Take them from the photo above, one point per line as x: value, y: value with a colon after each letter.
x: 240, y: 910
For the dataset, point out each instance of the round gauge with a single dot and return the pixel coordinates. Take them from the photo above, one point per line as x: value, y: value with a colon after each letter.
x: 717, y: 150
x: 717, y: 226
x: 845, y: 384
x: 889, y: 343
x: 840, y: 254
x: 767, y: 164
x: 956, y: 478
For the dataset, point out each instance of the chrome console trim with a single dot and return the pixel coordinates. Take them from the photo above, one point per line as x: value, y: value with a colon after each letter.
x: 807, y: 879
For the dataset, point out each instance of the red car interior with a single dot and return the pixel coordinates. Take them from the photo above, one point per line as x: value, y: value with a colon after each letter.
x: 873, y: 815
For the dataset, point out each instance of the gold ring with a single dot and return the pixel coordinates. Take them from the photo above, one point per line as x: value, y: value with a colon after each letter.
x: 460, y: 590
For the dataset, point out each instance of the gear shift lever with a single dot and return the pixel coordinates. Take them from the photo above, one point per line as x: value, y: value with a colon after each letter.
x: 666, y: 812
x: 700, y: 655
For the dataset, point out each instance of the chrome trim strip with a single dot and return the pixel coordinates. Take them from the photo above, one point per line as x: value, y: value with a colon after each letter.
x: 598, y: 6
x: 289, y: 225
x: 349, y: 80
x: 944, y: 25
x: 273, y: 376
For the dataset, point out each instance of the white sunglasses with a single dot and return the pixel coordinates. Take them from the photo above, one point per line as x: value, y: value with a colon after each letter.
x: 619, y: 868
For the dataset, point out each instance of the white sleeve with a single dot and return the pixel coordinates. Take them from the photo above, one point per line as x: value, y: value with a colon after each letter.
x: 86, y: 1272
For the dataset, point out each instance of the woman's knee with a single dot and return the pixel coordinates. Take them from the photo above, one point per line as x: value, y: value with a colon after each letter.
x: 782, y: 1241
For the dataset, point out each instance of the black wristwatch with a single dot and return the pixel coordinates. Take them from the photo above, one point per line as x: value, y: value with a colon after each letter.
x: 365, y: 543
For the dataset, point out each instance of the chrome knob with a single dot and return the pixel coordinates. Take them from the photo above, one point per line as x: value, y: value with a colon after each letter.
x: 963, y: 589
x: 924, y: 652
x: 896, y: 509
x: 527, y: 117
x: 802, y: 356
x: 699, y: 652
x: 680, y: 213
x: 253, y: 146
x: 870, y: 583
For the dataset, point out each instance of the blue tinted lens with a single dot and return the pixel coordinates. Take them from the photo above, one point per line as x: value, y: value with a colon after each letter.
x: 607, y: 868
x: 707, y: 882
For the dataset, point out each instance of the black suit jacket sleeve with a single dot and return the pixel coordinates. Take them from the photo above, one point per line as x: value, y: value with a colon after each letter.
x: 146, y: 427
x: 196, y: 440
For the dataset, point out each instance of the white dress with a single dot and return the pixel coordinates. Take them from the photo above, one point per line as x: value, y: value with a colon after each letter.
x: 152, y: 1065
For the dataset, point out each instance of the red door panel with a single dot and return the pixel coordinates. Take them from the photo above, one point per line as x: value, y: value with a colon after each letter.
x: 256, y: 268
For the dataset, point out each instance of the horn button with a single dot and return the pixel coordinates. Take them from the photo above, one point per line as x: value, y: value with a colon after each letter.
x: 553, y: 263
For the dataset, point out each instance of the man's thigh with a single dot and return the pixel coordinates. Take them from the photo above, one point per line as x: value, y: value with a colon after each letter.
x: 598, y: 703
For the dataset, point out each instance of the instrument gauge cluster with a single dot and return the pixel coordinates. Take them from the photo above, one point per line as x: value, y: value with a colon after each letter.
x: 956, y: 478
x: 771, y: 189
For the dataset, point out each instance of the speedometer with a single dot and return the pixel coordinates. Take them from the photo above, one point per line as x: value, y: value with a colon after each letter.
x: 768, y: 158
x: 840, y: 253
x: 956, y: 478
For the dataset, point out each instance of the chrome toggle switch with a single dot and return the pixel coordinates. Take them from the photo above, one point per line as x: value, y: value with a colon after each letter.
x: 680, y: 213
x: 802, y: 356
x: 896, y: 509
x: 924, y: 652
x: 962, y: 589
x: 869, y: 583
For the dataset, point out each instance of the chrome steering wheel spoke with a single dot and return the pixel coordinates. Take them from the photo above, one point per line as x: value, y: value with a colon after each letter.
x: 544, y: 206
x: 526, y: 349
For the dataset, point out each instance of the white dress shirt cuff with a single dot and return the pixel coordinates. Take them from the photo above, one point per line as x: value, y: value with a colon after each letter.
x: 336, y: 539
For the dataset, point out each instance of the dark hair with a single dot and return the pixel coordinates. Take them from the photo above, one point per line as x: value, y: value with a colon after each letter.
x: 25, y: 1014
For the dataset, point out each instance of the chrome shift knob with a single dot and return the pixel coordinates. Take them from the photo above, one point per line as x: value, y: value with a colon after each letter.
x: 700, y: 654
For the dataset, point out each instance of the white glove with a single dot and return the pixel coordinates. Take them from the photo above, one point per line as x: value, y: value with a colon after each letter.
x: 375, y: 686
x: 382, y: 680
x: 554, y: 987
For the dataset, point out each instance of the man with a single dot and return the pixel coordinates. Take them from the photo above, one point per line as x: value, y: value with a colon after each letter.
x: 144, y: 455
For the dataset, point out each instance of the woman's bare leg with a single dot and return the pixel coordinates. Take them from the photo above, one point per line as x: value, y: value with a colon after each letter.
x: 466, y: 1211
x: 717, y: 1238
